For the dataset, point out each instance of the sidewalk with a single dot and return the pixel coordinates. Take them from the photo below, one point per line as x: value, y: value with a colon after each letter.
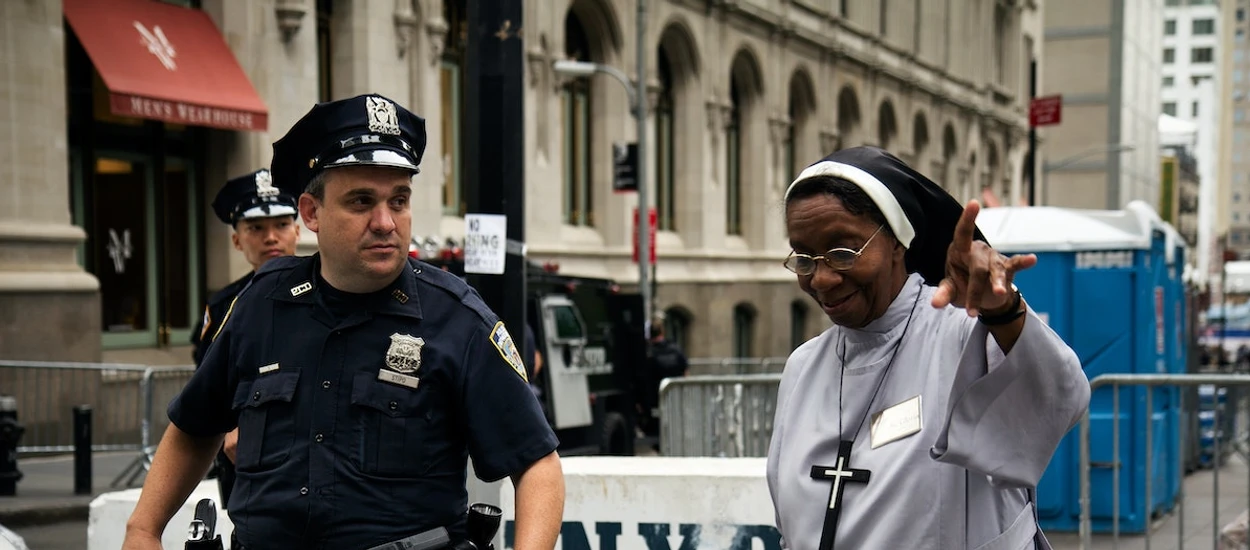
x: 45, y: 494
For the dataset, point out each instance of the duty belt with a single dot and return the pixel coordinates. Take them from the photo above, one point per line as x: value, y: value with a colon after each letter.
x: 433, y: 539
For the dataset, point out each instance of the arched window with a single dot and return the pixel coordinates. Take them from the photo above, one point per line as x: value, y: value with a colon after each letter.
x: 798, y: 324
x: 577, y: 129
x: 677, y: 327
x: 665, y: 150
x: 744, y: 331
x: 452, y: 94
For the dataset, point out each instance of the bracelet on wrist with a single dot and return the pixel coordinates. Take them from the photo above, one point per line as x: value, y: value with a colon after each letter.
x: 1011, y: 314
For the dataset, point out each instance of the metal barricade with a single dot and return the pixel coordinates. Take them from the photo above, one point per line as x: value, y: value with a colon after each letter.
x: 724, y: 416
x: 729, y: 366
x: 1151, y: 381
x: 127, y: 400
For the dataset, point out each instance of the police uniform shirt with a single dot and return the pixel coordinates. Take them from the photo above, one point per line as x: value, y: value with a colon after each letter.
x: 214, y: 313
x: 355, y: 428
x: 247, y: 197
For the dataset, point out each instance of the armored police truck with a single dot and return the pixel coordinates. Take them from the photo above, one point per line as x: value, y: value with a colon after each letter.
x: 593, y: 350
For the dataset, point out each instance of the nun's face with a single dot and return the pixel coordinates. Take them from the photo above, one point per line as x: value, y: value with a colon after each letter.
x: 856, y: 296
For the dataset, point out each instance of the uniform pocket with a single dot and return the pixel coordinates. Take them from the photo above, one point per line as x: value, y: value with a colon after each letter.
x: 266, y: 420
x: 393, y: 424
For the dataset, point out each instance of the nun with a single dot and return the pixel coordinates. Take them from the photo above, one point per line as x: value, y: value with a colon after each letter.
x: 925, y: 416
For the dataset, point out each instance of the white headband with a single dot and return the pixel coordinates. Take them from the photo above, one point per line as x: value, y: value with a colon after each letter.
x: 877, y: 191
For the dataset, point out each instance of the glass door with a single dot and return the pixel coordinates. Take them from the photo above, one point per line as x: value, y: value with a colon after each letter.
x: 122, y: 250
x: 180, y: 300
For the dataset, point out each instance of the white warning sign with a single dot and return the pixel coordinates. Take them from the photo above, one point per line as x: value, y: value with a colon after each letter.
x: 485, y: 243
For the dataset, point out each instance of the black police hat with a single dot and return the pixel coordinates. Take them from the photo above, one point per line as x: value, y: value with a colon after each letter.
x: 368, y: 130
x: 252, y: 196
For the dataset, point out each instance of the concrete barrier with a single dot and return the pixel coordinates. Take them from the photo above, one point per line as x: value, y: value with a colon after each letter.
x: 661, y: 503
x: 106, y: 525
x: 611, y: 503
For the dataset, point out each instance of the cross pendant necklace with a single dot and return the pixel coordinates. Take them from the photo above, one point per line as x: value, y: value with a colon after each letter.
x: 841, y: 472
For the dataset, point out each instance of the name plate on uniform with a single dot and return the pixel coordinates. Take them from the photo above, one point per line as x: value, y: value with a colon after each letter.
x: 398, y: 379
x: 896, y: 422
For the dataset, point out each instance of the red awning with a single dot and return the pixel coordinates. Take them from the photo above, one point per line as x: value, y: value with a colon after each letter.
x: 166, y: 62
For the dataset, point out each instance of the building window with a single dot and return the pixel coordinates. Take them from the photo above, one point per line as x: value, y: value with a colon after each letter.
x: 1169, y: 27
x: 1203, y: 26
x: 1169, y: 81
x: 576, y: 97
x: 1194, y: 109
x: 451, y: 77
x: 1002, y: 24
x: 733, y: 161
x: 1198, y: 78
x: 1169, y: 108
x: 665, y: 148
x: 1241, y: 14
x: 1169, y: 55
x: 677, y: 327
x: 883, y: 15
x: 1201, y: 55
x: 744, y: 330
x: 325, y: 50
x: 798, y: 324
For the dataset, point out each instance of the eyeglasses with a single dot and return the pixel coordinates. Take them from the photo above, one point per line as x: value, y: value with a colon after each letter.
x: 839, y: 259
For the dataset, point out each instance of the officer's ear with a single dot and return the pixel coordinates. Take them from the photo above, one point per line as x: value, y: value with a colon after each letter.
x: 309, y: 210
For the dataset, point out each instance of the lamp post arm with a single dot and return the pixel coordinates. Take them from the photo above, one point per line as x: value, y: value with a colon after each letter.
x: 621, y: 77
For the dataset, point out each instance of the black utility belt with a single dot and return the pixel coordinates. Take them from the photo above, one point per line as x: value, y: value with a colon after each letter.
x: 434, y: 539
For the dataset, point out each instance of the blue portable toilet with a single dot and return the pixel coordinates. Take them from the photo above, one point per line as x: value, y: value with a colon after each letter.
x: 1103, y: 283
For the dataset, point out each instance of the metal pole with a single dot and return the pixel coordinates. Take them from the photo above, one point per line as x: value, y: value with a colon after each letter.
x: 644, y: 212
x: 1032, y: 134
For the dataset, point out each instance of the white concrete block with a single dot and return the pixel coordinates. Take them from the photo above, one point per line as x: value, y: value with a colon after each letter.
x: 106, y: 524
x: 661, y: 503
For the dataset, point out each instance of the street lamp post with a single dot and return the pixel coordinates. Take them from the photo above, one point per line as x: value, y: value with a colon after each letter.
x: 1068, y: 161
x: 637, y: 92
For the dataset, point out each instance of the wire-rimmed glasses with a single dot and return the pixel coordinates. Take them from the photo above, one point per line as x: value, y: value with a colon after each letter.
x: 839, y: 259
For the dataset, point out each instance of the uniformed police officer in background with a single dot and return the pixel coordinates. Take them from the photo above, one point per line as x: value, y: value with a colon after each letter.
x: 263, y: 220
x: 360, y: 381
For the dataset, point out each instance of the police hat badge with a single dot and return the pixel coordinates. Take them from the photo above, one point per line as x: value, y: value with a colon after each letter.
x: 404, y: 355
x: 366, y: 130
x: 252, y: 196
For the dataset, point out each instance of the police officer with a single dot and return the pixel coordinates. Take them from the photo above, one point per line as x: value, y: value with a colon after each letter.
x: 361, y: 380
x: 263, y: 220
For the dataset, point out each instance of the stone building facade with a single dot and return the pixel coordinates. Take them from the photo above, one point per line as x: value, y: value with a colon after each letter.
x: 743, y: 94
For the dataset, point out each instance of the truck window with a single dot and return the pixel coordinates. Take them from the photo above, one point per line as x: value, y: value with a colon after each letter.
x: 568, y: 326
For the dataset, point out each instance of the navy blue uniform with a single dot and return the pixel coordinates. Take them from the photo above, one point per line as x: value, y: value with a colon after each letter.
x: 338, y: 447
x: 214, y: 313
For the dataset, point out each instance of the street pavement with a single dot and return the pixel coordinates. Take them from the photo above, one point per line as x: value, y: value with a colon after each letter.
x: 50, y: 517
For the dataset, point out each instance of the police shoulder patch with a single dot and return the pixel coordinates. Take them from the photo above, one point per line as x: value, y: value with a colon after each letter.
x: 507, y: 349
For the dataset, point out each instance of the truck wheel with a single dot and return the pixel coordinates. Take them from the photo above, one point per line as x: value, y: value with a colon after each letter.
x: 616, y: 439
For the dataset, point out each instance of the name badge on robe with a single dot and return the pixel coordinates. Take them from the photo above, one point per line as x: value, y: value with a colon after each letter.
x: 896, y: 422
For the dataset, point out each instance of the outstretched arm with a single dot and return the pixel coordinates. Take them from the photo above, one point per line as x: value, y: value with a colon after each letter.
x: 180, y: 463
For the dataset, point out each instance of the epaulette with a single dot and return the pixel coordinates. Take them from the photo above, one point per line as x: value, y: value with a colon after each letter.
x: 455, y: 286
x: 281, y: 263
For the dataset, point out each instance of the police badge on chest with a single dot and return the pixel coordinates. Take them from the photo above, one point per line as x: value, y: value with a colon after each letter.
x: 403, y: 359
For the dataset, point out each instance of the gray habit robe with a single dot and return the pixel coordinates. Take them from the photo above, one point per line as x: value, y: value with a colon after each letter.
x: 989, y: 425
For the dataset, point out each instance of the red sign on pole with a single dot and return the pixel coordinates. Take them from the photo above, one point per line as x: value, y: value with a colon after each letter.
x: 650, y: 238
x: 1046, y: 111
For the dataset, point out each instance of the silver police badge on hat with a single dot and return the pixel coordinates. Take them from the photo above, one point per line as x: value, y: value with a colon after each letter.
x: 404, y: 356
x: 264, y: 185
x: 383, y: 118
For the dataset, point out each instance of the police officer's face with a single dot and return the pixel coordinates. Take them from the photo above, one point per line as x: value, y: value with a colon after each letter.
x: 263, y: 239
x: 363, y: 226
